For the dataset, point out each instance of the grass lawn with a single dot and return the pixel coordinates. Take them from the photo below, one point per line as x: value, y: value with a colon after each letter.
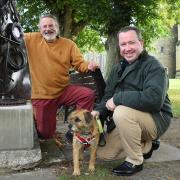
x: 174, y: 95
x: 102, y: 172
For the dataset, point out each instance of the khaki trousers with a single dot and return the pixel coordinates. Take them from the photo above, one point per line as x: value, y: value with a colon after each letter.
x: 131, y: 138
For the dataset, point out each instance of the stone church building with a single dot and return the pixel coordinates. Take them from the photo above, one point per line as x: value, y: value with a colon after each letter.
x: 167, y: 50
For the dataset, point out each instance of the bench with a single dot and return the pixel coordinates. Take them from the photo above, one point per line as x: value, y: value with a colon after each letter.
x: 93, y: 80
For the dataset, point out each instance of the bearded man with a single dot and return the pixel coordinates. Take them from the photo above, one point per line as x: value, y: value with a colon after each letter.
x: 50, y: 58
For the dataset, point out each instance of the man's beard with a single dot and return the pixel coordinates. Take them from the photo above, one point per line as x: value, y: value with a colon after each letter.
x: 50, y: 37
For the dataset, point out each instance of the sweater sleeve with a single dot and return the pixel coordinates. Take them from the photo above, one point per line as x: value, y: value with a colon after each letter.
x: 77, y: 60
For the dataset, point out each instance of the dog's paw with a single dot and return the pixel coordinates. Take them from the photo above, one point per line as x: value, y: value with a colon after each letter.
x: 76, y: 173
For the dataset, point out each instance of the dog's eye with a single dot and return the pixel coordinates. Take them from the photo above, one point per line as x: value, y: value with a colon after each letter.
x: 77, y: 120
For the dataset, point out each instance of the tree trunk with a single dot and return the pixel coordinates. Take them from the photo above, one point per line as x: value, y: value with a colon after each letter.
x: 112, y: 49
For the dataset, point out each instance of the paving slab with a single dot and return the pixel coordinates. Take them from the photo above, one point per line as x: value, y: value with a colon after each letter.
x: 40, y: 174
x: 165, y: 153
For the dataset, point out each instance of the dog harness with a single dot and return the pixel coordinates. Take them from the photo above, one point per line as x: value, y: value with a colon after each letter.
x: 85, y: 141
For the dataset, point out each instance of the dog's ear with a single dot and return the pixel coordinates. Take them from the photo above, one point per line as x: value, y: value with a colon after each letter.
x: 88, y: 117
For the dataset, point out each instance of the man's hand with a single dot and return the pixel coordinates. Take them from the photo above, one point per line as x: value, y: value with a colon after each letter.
x: 92, y: 65
x: 110, y: 105
x: 95, y: 113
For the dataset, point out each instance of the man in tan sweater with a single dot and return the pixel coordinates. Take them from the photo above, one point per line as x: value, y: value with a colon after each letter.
x: 50, y: 58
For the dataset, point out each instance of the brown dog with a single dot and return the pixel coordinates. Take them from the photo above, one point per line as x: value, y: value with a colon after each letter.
x: 85, y: 134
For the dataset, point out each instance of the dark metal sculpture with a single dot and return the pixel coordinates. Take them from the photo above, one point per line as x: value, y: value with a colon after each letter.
x: 14, y: 75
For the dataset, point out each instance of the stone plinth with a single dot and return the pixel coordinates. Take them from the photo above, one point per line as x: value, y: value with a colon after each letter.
x: 16, y: 127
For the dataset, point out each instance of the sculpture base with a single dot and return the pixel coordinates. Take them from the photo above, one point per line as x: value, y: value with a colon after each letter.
x: 16, y: 127
x: 21, y: 159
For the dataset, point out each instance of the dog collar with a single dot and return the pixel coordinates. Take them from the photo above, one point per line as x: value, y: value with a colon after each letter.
x: 85, y: 141
x: 99, y: 124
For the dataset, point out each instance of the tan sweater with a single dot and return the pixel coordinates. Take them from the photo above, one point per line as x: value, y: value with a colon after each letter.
x: 49, y: 64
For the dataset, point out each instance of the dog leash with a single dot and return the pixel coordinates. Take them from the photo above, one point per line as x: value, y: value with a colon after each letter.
x: 99, y: 124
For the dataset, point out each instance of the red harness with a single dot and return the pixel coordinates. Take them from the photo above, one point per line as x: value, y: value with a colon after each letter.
x: 85, y: 141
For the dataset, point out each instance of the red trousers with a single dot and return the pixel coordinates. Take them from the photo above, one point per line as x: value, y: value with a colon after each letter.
x: 45, y: 110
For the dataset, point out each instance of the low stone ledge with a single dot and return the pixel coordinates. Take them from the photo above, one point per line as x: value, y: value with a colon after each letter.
x: 21, y: 159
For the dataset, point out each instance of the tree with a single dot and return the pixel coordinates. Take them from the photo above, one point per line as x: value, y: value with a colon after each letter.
x: 75, y: 17
x: 78, y: 17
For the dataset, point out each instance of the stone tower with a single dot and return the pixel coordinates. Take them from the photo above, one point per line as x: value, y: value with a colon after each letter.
x: 167, y: 52
x: 178, y: 53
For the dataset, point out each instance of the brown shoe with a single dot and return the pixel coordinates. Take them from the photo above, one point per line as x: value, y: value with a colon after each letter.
x: 57, y: 138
